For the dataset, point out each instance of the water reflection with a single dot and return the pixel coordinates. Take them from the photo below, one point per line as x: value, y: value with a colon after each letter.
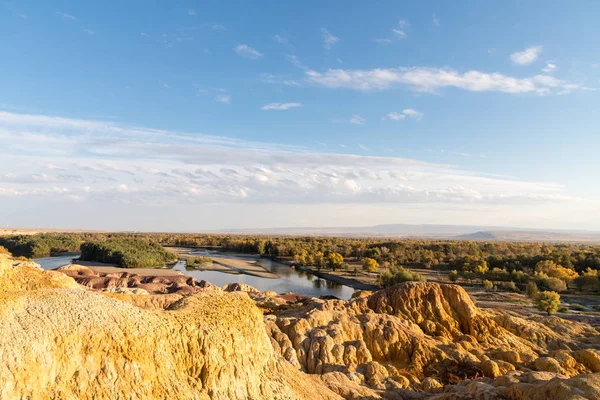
x: 290, y: 280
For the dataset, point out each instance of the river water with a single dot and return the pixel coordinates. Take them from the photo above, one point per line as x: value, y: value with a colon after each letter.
x: 290, y: 279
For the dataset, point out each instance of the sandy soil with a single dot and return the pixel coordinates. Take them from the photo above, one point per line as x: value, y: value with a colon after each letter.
x: 239, y: 266
x: 223, y: 263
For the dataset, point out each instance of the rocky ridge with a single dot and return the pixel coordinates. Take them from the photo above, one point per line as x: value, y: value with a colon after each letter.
x: 424, y: 339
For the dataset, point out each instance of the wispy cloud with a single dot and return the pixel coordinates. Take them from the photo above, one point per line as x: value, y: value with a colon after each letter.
x: 89, y: 31
x: 435, y: 21
x: 148, y: 166
x: 406, y: 113
x: 191, y: 12
x: 66, y: 16
x: 395, y: 116
x: 328, y: 39
x: 280, y: 39
x: 401, y: 34
x: 223, y: 98
x: 296, y: 61
x: 357, y: 120
x: 549, y: 68
x: 425, y: 79
x: 526, y: 56
x: 246, y: 51
x: 280, y: 106
x: 398, y: 33
x: 275, y: 79
x: 411, y: 113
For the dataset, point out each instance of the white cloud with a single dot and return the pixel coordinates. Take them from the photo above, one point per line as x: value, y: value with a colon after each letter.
x: 191, y: 12
x: 357, y: 120
x: 435, y: 21
x: 549, y: 68
x: 399, y: 33
x: 246, y: 51
x: 223, y: 98
x: 403, y: 23
x: 526, y: 56
x: 89, y: 31
x: 413, y: 113
x: 408, y: 112
x: 66, y: 16
x: 142, y: 166
x: 328, y: 39
x: 396, y: 116
x: 383, y: 40
x: 280, y: 106
x: 425, y: 79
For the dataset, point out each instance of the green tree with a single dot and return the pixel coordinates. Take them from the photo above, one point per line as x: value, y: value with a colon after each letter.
x: 588, y: 280
x: 260, y: 247
x: 453, y: 275
x: 532, y: 290
x: 548, y: 301
x: 335, y: 261
x: 370, y: 265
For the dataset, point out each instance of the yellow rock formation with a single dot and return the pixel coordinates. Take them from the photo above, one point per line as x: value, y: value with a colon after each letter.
x: 59, y: 341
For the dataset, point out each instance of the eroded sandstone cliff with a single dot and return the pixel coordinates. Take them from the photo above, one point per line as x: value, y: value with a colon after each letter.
x: 430, y: 338
x: 61, y: 341
x: 110, y: 339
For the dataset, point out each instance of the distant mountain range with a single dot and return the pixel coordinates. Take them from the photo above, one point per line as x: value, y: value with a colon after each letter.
x: 458, y: 232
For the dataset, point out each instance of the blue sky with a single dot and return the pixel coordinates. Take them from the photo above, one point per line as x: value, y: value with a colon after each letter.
x: 214, y: 114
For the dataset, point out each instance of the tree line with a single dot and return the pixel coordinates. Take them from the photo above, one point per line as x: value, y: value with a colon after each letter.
x: 127, y: 253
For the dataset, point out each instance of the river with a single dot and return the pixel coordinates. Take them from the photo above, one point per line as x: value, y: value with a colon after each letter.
x: 290, y: 279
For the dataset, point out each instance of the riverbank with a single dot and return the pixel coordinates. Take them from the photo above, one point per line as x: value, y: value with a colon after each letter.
x: 239, y: 266
x: 338, y: 278
x: 231, y: 263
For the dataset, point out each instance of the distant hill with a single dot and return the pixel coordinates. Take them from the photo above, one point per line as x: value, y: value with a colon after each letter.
x: 479, y: 236
x: 458, y: 232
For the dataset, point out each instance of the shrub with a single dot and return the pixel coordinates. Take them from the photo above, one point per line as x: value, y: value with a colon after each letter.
x: 487, y: 285
x: 398, y: 275
x: 548, y: 283
x: 509, y: 287
x: 198, y: 260
x: 453, y: 275
x: 555, y: 284
x: 548, y: 301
